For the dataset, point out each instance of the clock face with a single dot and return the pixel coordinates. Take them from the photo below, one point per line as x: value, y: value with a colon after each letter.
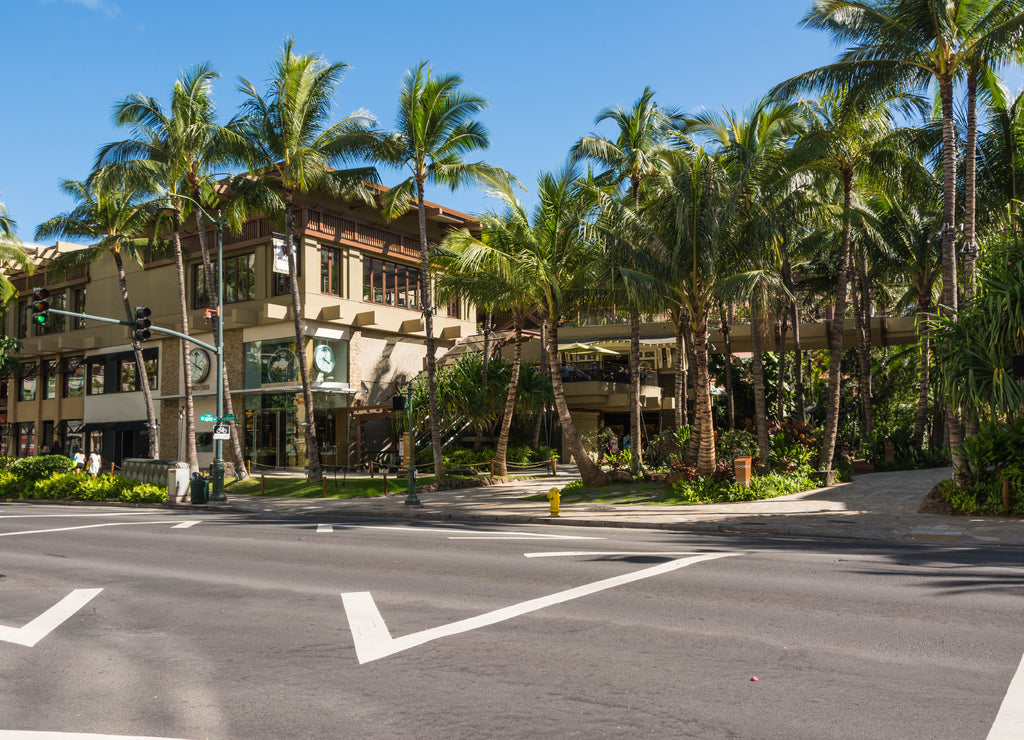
x: 199, y: 364
x: 323, y: 356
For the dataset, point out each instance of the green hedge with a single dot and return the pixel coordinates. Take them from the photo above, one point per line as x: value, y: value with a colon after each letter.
x: 708, y: 491
x: 50, y: 477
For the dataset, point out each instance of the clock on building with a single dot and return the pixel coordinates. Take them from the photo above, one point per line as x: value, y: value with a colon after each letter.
x: 199, y: 364
x: 323, y: 357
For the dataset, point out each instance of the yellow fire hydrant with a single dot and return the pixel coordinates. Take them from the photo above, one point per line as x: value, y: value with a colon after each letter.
x: 554, y: 496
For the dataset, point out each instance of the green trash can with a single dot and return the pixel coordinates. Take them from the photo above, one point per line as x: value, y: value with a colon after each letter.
x: 199, y: 487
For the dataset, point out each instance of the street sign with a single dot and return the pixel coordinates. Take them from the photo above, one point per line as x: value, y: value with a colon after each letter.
x: 208, y: 417
x: 221, y: 431
x: 228, y: 417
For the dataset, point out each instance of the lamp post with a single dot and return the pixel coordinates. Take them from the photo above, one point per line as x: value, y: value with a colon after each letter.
x: 411, y: 499
x: 217, y: 467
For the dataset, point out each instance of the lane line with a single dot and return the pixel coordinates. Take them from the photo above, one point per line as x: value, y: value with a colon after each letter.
x: 324, y: 528
x: 72, y: 516
x: 45, y: 735
x: 185, y: 525
x: 431, y: 530
x: 373, y: 640
x: 49, y: 620
x: 581, y: 553
x: 1010, y: 718
x: 68, y: 529
x: 523, y: 536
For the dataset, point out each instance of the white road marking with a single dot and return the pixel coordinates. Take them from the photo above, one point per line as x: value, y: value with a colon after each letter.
x: 1010, y: 718
x: 72, y: 516
x: 373, y: 640
x: 185, y: 525
x: 579, y: 553
x: 476, y: 536
x: 324, y: 528
x: 49, y: 620
x: 33, y: 735
x: 68, y: 529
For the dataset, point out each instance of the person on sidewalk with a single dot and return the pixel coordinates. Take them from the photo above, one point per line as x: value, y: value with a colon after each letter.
x: 94, y: 463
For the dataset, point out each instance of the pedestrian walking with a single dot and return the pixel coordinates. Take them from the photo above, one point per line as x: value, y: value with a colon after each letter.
x: 94, y: 463
x: 78, y: 457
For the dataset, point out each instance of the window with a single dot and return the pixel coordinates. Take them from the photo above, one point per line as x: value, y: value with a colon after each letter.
x: 74, y: 377
x: 50, y: 379
x: 78, y: 306
x: 330, y: 271
x: 97, y: 371
x: 239, y: 280
x: 391, y: 284
x: 149, y: 361
x: 26, y: 439
x: 126, y: 374
x: 27, y: 388
x: 271, y: 361
x: 455, y: 308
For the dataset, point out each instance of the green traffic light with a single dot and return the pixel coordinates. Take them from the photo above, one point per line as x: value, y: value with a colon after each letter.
x: 41, y: 318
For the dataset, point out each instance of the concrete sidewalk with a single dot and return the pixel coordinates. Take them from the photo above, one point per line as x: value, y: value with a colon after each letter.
x: 876, y: 506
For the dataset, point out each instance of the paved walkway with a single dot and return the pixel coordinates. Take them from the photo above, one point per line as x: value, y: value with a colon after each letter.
x: 875, y: 506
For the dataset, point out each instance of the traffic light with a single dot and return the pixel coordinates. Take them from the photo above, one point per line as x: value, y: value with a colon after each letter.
x: 142, y: 323
x: 40, y: 306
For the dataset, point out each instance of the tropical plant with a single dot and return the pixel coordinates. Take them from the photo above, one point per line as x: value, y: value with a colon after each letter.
x: 11, y: 254
x: 435, y: 128
x: 291, y: 149
x: 110, y: 213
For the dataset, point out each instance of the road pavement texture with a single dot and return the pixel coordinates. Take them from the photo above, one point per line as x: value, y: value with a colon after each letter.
x: 874, y: 506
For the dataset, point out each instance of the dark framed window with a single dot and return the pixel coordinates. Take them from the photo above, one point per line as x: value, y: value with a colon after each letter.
x: 330, y: 271
x: 391, y: 284
x: 126, y: 373
x: 74, y: 377
x: 97, y: 376
x: 239, y: 280
x: 78, y: 306
x: 49, y: 379
x: 26, y: 439
x: 27, y: 387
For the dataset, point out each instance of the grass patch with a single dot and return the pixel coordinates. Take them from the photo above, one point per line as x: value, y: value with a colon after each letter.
x: 340, y: 488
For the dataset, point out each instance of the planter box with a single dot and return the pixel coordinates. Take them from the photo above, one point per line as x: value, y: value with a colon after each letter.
x: 825, y: 478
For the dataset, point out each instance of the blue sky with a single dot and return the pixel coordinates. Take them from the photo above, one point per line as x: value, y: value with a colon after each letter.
x: 547, y: 68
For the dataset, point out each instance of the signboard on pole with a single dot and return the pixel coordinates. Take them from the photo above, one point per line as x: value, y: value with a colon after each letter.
x: 208, y: 417
x: 221, y: 431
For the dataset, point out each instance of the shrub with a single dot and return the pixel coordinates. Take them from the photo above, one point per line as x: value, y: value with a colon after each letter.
x: 571, y: 486
x: 144, y: 493
x: 11, y: 485
x: 736, y: 443
x: 6, y: 461
x: 37, y: 468
x: 707, y: 490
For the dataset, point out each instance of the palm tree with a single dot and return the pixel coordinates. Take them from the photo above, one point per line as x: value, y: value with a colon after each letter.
x: 110, y: 215
x: 435, y: 129
x: 550, y: 256
x: 10, y: 254
x: 487, y: 271
x: 292, y: 149
x: 178, y: 148
x: 633, y: 157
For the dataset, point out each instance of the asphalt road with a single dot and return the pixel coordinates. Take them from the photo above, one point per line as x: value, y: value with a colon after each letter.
x: 243, y: 627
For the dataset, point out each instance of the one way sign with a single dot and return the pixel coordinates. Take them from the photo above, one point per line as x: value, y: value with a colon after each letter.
x: 221, y: 431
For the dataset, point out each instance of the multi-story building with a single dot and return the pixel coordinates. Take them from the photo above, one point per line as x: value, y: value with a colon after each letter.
x: 360, y: 283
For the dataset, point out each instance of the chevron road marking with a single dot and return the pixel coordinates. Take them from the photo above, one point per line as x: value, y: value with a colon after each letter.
x: 373, y: 640
x: 49, y: 620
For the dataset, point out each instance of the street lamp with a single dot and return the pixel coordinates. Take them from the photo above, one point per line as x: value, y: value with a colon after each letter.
x: 411, y: 499
x: 217, y: 468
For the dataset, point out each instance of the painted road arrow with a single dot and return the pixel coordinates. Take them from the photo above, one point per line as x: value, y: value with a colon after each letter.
x: 49, y: 620
x: 373, y: 640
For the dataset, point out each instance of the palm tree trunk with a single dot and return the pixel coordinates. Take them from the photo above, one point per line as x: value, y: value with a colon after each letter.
x: 314, y: 473
x: 635, y: 410
x: 679, y: 412
x: 798, y: 370
x: 831, y: 431
x: 428, y: 324
x: 591, y: 474
x: 949, y: 281
x: 501, y: 450
x: 863, y: 316
x: 970, y: 250
x: 142, y: 379
x: 730, y: 405
x: 191, y: 455
x: 703, y: 419
x: 760, y: 405
x: 924, y: 319
x: 780, y: 385
x: 486, y: 362
x: 238, y: 458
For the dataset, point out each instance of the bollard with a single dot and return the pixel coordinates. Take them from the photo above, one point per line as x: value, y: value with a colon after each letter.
x: 1006, y: 495
x: 554, y: 496
x: 323, y: 487
x: 554, y: 466
x: 385, y: 484
x: 371, y: 468
x: 248, y: 466
x: 262, y: 478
